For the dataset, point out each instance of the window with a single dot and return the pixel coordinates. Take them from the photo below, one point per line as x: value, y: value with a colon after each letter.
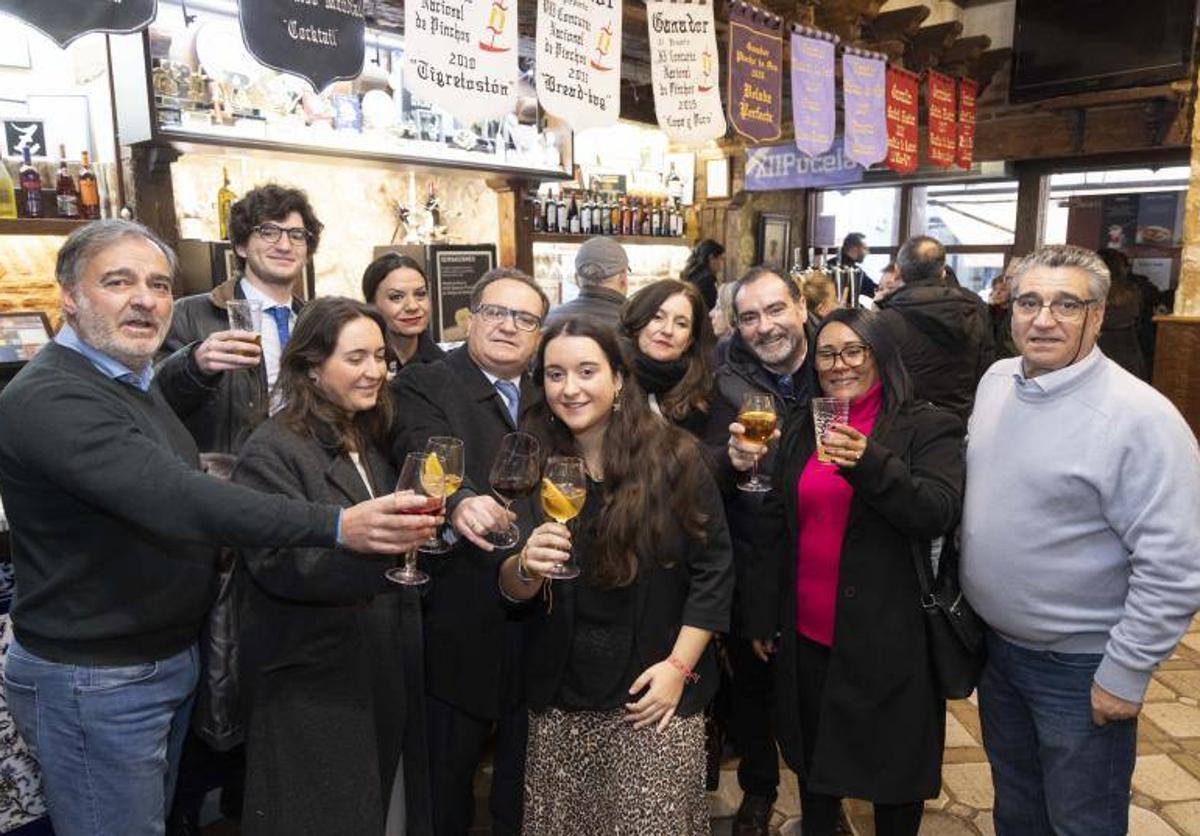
x: 873, y: 212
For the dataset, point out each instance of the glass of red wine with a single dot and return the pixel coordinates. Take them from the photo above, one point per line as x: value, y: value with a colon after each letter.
x: 411, y: 482
x: 515, y: 472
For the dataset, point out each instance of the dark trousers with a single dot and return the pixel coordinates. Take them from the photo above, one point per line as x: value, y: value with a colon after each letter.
x: 456, y: 746
x: 820, y: 812
x: 750, y: 720
x: 1055, y: 770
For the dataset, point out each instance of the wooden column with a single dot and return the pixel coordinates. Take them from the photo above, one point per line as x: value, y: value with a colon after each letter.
x: 150, y: 193
x: 1031, y: 209
x: 516, y: 246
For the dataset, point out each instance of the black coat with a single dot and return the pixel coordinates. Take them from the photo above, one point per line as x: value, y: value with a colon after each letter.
x: 473, y: 660
x: 331, y: 662
x: 427, y: 352
x: 945, y: 339
x: 882, y: 723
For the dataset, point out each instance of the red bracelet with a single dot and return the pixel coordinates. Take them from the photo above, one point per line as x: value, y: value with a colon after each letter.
x: 688, y: 674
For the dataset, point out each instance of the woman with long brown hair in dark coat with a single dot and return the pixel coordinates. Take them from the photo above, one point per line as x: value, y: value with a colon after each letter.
x: 835, y: 599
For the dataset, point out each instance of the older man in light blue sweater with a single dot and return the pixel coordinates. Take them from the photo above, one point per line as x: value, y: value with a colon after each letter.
x: 1081, y: 549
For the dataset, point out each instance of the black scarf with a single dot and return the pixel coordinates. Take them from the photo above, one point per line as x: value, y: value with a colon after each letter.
x: 658, y: 377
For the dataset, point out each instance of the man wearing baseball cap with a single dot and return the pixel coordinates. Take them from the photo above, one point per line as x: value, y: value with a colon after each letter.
x: 602, y: 271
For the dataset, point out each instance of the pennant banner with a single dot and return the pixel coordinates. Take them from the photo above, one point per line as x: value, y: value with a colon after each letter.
x: 755, y: 72
x: 864, y: 91
x: 320, y: 44
x: 579, y: 61
x: 683, y: 69
x: 943, y: 137
x: 814, y: 104
x: 903, y: 91
x: 967, y: 90
x: 62, y: 21
x: 462, y: 56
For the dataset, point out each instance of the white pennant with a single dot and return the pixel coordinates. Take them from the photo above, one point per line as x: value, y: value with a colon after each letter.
x: 579, y: 61
x: 684, y: 70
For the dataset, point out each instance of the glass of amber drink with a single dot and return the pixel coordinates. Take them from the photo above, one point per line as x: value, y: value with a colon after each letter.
x: 564, y: 490
x: 757, y: 417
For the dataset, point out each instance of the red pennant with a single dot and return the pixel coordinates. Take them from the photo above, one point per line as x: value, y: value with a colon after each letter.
x: 967, y: 91
x: 903, y: 137
x: 943, y: 135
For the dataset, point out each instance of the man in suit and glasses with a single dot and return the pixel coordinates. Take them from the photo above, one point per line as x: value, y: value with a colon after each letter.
x: 477, y: 393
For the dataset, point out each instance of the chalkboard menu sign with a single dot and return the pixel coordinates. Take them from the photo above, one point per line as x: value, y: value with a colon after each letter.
x: 65, y: 20
x: 455, y: 269
x: 320, y: 41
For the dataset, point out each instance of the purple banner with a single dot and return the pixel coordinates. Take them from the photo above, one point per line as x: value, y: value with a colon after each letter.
x: 814, y: 109
x: 755, y: 72
x: 864, y: 86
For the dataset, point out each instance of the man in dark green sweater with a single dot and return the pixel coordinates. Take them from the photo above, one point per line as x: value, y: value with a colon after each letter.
x: 113, y: 532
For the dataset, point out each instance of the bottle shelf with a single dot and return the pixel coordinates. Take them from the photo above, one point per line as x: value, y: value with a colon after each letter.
x: 569, y: 238
x: 39, y: 226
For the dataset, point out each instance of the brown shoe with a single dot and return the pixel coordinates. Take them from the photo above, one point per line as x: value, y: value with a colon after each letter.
x: 753, y: 816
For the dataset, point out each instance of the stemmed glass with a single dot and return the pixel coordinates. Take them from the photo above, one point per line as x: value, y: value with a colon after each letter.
x: 514, y: 475
x: 564, y: 490
x: 412, y: 481
x: 757, y: 417
x: 442, y: 476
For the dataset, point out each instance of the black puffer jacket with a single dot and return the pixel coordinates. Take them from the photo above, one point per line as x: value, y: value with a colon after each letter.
x: 945, y: 339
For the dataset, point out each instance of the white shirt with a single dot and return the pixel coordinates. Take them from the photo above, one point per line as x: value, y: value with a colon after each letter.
x: 271, y: 348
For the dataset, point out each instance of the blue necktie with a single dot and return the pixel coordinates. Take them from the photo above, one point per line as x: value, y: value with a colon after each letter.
x: 282, y: 316
x: 786, y: 388
x: 512, y: 397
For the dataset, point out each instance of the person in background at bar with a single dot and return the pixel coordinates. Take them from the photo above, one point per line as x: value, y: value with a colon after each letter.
x: 672, y: 342
x: 859, y: 714
x: 820, y: 296
x: 620, y: 666
x: 274, y: 233
x: 330, y: 649
x: 602, y: 271
x: 705, y: 269
x: 944, y: 333
x: 224, y: 388
x: 114, y: 532
x: 889, y: 281
x: 721, y: 317
x: 1080, y: 549
x: 1125, y: 318
x: 767, y: 353
x: 854, y: 251
x: 397, y: 286
x: 478, y: 393
x: 1000, y: 308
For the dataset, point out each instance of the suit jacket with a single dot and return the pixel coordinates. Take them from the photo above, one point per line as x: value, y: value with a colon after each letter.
x: 331, y: 661
x: 882, y: 720
x: 472, y: 634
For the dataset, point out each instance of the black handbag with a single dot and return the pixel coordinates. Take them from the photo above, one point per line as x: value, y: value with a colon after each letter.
x: 957, y: 649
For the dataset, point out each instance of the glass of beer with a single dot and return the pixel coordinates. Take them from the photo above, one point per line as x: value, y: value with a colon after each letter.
x: 246, y: 315
x: 826, y: 412
x: 442, y: 476
x: 412, y: 481
x: 757, y: 417
x: 564, y: 490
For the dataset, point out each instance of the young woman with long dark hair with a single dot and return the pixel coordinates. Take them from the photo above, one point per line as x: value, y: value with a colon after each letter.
x: 619, y: 661
x: 398, y: 287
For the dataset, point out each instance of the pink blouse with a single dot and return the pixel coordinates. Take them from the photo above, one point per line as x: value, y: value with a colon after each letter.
x: 822, y: 511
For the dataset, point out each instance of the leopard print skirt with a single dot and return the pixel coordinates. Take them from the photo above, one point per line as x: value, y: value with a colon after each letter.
x: 589, y: 773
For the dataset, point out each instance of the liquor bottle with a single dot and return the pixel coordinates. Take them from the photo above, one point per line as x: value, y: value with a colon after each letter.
x: 647, y: 211
x: 8, y: 193
x: 549, y: 212
x: 89, y: 191
x: 564, y: 223
x: 574, y: 222
x: 615, y: 212
x: 656, y: 219
x: 586, y: 213
x: 225, y: 199
x: 606, y: 209
x: 635, y: 224
x: 31, y: 189
x: 797, y: 271
x: 66, y: 193
x: 626, y: 215
x: 536, y: 203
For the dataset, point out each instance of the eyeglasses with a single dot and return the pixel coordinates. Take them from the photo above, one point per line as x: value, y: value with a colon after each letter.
x: 272, y: 232
x: 853, y: 355
x: 495, y: 314
x: 1065, y: 309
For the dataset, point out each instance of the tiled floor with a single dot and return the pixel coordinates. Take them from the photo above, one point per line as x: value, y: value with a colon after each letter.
x: 1166, y: 781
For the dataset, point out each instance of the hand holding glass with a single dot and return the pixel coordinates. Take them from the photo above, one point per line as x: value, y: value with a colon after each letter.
x: 757, y: 417
x: 514, y: 475
x: 246, y: 315
x: 442, y: 476
x: 412, y: 481
x: 564, y: 490
x: 826, y: 412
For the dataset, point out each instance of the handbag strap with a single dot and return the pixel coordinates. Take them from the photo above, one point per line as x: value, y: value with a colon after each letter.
x: 921, y: 564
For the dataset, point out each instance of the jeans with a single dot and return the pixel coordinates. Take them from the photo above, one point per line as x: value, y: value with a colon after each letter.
x: 1054, y: 770
x: 108, y: 739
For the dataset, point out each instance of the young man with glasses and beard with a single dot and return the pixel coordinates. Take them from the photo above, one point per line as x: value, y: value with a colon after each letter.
x: 479, y: 393
x: 1081, y: 550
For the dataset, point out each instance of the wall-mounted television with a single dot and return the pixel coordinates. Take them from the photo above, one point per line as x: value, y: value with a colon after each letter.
x: 1071, y: 46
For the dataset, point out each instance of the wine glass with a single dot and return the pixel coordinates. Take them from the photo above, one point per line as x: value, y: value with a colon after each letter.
x: 514, y: 475
x: 411, y: 481
x: 564, y: 489
x: 757, y: 417
x: 442, y: 476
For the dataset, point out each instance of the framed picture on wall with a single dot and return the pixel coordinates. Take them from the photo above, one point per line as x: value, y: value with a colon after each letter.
x: 716, y: 178
x: 21, y: 335
x: 774, y: 235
